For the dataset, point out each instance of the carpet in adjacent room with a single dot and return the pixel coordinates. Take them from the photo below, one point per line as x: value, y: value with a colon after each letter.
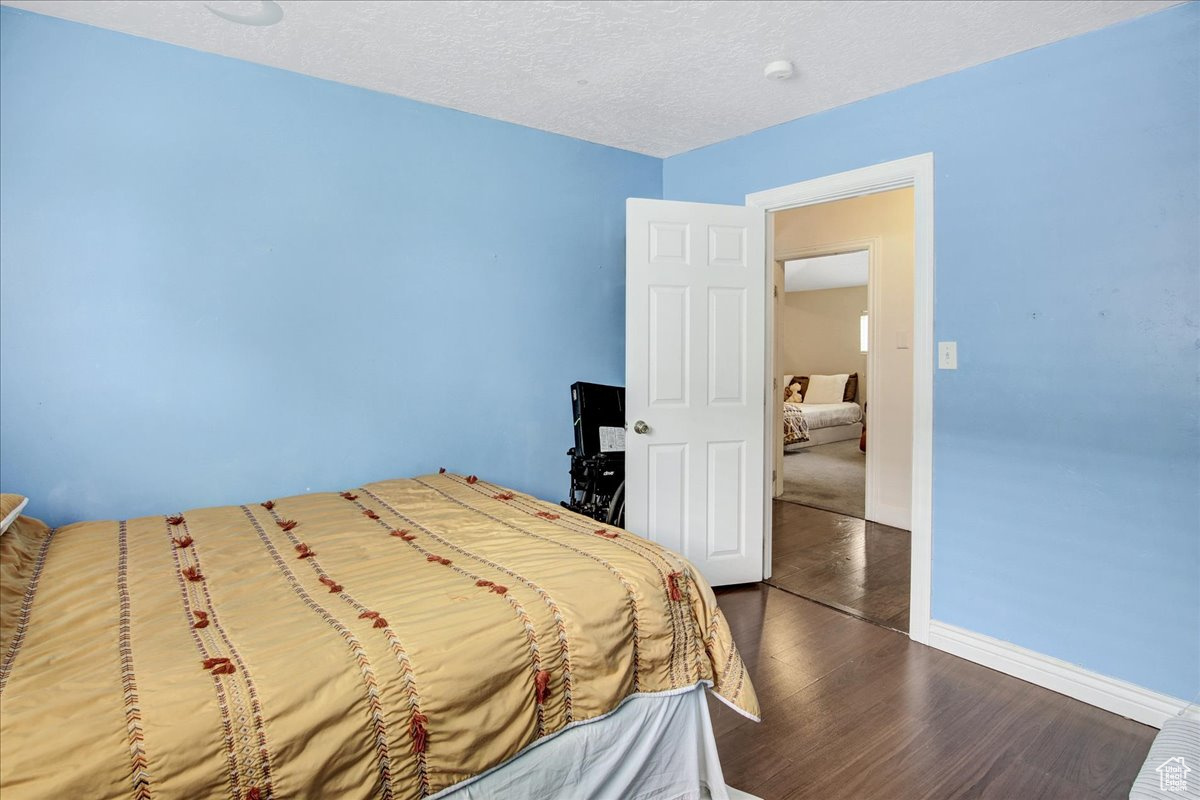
x: 829, y: 476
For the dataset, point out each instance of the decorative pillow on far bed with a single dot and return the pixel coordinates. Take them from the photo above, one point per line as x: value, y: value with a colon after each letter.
x: 798, y: 384
x: 851, y: 393
x: 826, y: 388
x: 10, y: 509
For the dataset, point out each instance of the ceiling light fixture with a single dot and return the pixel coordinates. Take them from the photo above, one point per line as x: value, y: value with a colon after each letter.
x: 269, y: 14
x: 779, y: 70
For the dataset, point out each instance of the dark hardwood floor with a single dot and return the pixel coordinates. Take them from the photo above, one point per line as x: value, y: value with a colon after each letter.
x: 855, y: 566
x: 853, y: 710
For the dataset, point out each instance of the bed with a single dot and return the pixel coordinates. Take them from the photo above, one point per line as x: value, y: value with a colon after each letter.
x: 435, y: 637
x: 823, y: 423
x: 806, y: 424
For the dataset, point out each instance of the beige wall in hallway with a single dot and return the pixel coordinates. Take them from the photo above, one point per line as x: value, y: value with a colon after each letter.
x: 888, y: 218
x: 820, y: 333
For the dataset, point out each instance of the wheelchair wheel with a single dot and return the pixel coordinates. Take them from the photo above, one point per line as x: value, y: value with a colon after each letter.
x: 616, y: 508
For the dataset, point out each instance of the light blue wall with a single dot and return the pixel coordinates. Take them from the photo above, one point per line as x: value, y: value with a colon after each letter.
x: 221, y: 282
x: 1066, y: 486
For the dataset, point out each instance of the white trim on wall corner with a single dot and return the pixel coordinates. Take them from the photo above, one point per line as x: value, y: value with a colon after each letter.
x: 1111, y: 694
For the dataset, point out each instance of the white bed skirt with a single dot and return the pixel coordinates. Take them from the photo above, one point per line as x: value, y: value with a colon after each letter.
x: 658, y: 746
x: 838, y: 433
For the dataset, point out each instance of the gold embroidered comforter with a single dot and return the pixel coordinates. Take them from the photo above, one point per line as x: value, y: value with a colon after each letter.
x: 390, y: 641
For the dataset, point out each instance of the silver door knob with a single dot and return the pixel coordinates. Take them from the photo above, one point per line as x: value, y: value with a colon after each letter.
x: 640, y: 427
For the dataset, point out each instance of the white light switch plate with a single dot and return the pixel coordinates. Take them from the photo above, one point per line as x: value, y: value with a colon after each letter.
x: 947, y: 355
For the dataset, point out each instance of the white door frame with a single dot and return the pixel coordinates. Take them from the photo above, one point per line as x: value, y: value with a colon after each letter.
x: 916, y: 172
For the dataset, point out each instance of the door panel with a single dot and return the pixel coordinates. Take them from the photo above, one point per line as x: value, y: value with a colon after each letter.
x: 727, y: 345
x: 668, y: 495
x: 726, y: 246
x: 726, y: 494
x: 696, y: 293
x: 669, y: 243
x: 668, y: 345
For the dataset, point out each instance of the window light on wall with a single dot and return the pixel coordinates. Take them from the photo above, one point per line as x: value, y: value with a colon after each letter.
x: 862, y: 332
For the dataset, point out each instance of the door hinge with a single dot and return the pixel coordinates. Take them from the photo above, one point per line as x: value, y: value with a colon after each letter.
x: 774, y: 383
x: 775, y: 290
x: 772, y: 475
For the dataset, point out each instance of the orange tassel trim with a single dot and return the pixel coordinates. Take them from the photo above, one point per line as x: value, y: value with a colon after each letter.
x: 270, y: 504
x: 254, y: 794
x: 219, y: 666
x: 349, y: 496
x: 175, y: 520
x: 186, y: 541
x: 441, y: 470
x: 503, y: 496
x: 438, y: 559
x: 495, y: 587
x: 472, y: 479
x: 405, y: 535
x: 334, y: 586
x: 369, y: 514
x: 201, y: 619
x: 192, y: 574
x: 303, y: 551
x: 541, y: 684
x: 606, y: 534
x: 547, y: 515
x: 287, y: 524
x: 673, y: 585
x: 420, y: 735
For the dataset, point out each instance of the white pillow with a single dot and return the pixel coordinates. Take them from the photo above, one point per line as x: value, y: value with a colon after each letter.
x: 13, y: 504
x: 826, y: 388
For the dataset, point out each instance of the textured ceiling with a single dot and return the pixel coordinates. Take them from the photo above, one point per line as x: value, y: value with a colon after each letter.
x: 655, y: 77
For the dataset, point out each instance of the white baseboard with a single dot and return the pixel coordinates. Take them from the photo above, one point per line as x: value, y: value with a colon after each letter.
x: 1111, y: 694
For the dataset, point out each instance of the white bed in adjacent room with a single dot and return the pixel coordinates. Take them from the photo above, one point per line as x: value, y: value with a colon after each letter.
x: 829, y: 422
x: 829, y: 415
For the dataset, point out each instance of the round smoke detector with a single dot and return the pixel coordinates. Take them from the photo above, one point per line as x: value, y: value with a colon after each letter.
x: 779, y: 70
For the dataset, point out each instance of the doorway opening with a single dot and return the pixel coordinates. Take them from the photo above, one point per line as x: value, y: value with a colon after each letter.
x: 842, y: 263
x: 865, y: 563
x: 822, y: 341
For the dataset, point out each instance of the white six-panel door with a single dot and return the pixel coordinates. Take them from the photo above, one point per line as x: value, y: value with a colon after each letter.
x: 696, y: 384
